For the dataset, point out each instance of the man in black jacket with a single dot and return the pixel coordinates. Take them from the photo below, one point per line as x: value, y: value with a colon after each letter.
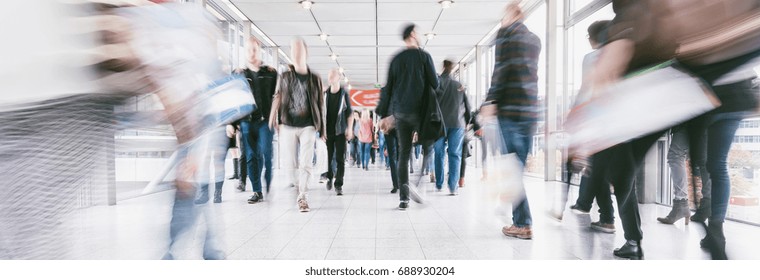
x: 257, y: 136
x: 410, y: 73
x: 339, y: 125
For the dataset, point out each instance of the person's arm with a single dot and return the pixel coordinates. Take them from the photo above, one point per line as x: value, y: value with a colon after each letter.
x: 612, y: 64
x: 467, y: 109
x: 623, y: 33
x: 498, y: 80
x: 274, y: 114
x: 349, y: 112
x: 322, y: 110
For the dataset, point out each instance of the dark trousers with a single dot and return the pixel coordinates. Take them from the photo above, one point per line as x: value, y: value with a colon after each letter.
x: 336, y: 153
x: 465, y: 155
x: 599, y: 187
x: 391, y: 143
x: 628, y: 158
x: 404, y: 130
x: 698, y: 155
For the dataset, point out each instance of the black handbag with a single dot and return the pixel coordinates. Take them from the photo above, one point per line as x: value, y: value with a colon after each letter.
x: 432, y: 127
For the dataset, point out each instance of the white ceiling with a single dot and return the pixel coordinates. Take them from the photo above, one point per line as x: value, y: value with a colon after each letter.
x: 366, y: 33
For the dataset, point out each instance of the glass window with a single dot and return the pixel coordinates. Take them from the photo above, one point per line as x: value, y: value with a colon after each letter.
x: 536, y: 23
x: 577, y: 5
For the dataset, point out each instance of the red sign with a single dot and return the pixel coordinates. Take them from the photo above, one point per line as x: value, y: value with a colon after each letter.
x: 365, y: 97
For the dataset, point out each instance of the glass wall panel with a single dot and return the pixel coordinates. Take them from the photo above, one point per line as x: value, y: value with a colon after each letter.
x: 536, y: 23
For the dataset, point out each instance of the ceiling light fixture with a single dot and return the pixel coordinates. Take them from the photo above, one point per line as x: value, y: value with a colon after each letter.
x: 446, y: 4
x: 349, y: 87
x: 323, y: 36
x: 306, y: 4
x: 334, y: 56
x: 340, y: 69
x: 345, y: 80
x: 430, y: 35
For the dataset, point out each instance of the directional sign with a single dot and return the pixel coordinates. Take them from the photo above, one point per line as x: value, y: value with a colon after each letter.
x: 365, y: 97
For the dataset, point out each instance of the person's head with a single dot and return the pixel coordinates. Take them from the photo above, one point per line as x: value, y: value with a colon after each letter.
x: 254, y: 51
x: 333, y: 77
x: 410, y: 35
x: 596, y: 33
x: 448, y: 66
x: 298, y: 51
x: 513, y: 13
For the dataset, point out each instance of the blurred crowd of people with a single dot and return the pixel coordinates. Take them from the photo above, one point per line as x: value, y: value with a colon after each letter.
x: 420, y: 114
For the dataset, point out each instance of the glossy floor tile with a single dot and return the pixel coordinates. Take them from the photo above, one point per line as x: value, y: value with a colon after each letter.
x: 365, y: 224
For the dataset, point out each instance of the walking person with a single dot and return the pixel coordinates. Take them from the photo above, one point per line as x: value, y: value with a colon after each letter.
x: 594, y: 183
x: 410, y: 73
x: 365, y: 138
x: 456, y: 112
x: 636, y: 43
x: 513, y: 99
x: 339, y: 127
x: 257, y: 136
x: 298, y: 112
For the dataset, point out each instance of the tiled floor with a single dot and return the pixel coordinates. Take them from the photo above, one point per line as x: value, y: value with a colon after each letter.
x: 365, y: 224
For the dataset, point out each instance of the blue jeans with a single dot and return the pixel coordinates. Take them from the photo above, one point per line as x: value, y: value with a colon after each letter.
x: 257, y: 143
x: 453, y: 139
x: 721, y: 128
x: 518, y: 138
x: 380, y: 151
x: 365, y: 148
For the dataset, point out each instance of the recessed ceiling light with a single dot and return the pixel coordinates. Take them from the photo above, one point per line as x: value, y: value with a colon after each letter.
x: 345, y: 80
x: 446, y: 4
x: 430, y: 35
x: 323, y: 36
x: 349, y: 87
x: 341, y: 70
x: 334, y: 56
x: 306, y: 4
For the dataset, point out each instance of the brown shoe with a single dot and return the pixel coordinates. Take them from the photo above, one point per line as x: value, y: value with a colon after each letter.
x: 303, y: 206
x: 518, y: 232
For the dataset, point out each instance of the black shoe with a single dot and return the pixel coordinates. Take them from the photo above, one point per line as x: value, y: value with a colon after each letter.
x: 241, y: 186
x: 716, y: 240
x: 631, y: 250
x: 579, y: 210
x: 235, y: 168
x: 703, y: 211
x: 394, y: 190
x: 329, y: 185
x: 339, y: 190
x: 403, y: 205
x: 256, y: 197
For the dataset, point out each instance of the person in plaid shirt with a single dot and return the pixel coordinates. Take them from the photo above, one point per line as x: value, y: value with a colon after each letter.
x: 513, y: 99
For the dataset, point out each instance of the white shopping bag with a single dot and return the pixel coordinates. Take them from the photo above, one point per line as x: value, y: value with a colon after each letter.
x: 637, y: 106
x: 504, y: 183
